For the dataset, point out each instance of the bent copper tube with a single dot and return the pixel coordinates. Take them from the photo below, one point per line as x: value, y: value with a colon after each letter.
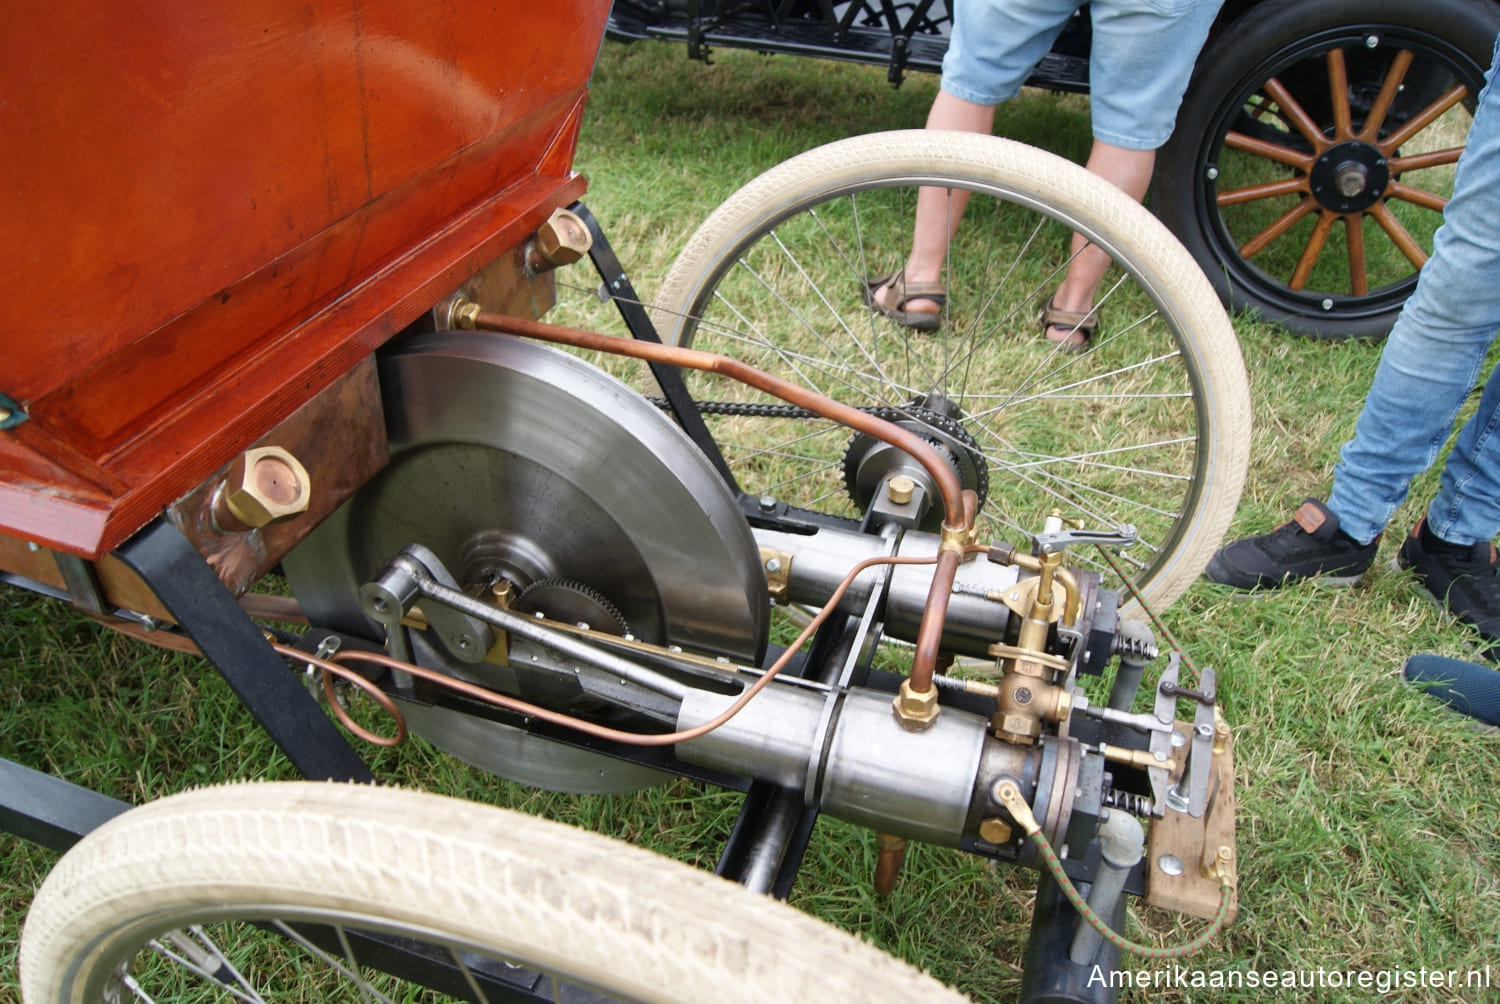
x: 958, y: 511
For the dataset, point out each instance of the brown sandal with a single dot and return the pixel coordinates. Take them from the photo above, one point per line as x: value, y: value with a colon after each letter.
x: 917, y: 320
x: 1084, y: 323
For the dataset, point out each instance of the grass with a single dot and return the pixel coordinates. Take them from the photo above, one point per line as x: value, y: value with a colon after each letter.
x: 1366, y: 825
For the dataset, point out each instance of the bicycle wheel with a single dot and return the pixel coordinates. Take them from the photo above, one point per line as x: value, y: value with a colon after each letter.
x: 1148, y: 426
x: 283, y: 891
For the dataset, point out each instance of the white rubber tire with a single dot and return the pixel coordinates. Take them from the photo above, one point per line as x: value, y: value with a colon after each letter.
x: 563, y: 900
x: 1055, y: 187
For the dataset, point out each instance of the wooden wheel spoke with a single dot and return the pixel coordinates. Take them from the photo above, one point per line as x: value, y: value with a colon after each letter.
x: 1354, y: 237
x: 1269, y: 190
x: 1338, y: 93
x: 1398, y: 235
x: 1417, y: 196
x: 1310, y: 253
x: 1389, y: 88
x: 1296, y: 115
x: 1423, y: 119
x: 1285, y: 222
x: 1271, y: 151
x: 1433, y: 158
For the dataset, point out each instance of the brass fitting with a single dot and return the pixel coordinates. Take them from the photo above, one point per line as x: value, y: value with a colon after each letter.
x: 955, y: 539
x: 1136, y: 758
x: 1008, y: 794
x: 900, y: 489
x: 263, y: 485
x: 1221, y: 865
x: 464, y: 314
x: 562, y: 240
x: 777, y: 565
x: 915, y: 711
x: 995, y: 831
x: 1221, y: 732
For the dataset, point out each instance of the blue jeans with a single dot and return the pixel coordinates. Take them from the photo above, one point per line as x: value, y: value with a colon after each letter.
x: 1431, y: 362
x: 1140, y: 58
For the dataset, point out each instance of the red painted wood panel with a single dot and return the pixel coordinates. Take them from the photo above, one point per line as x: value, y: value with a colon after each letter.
x: 211, y: 210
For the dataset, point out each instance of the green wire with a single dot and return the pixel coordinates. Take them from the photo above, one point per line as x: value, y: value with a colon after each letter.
x: 1055, y: 866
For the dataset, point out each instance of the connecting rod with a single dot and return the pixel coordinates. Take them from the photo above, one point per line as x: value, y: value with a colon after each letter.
x: 958, y: 512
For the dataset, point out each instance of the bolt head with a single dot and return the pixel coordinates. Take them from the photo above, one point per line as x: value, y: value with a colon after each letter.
x: 266, y: 484
x: 995, y: 831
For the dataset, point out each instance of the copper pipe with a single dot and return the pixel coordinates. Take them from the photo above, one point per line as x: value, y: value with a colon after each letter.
x: 943, y: 474
x: 601, y: 731
x: 284, y: 609
x: 930, y: 630
x: 959, y: 506
x: 888, y: 864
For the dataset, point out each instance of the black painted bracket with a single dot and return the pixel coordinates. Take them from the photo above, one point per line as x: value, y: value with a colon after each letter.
x: 232, y: 642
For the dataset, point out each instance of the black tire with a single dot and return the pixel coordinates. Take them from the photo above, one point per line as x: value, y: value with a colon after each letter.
x: 1213, y: 189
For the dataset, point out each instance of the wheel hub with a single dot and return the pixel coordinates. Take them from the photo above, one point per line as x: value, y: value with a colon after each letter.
x: 869, y: 462
x: 1350, y: 177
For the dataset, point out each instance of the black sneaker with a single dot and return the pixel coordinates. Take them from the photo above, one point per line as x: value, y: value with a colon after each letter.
x: 1310, y: 546
x: 1464, y: 578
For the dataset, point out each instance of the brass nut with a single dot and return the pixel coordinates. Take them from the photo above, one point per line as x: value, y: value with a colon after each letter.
x: 263, y: 485
x: 995, y: 831
x: 464, y: 315
x: 916, y: 710
x: 562, y: 240
x: 900, y: 489
x: 1017, y: 728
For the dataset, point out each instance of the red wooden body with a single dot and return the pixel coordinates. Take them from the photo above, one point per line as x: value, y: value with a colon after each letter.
x: 210, y: 211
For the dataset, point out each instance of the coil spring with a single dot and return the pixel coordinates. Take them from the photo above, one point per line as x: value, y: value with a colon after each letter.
x: 1128, y: 801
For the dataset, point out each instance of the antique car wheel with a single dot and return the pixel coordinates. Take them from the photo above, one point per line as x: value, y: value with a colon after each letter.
x: 1147, y: 425
x: 1314, y: 202
x: 313, y: 891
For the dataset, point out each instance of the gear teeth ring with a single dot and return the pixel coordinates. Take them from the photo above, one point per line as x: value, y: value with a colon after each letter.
x: 607, y: 617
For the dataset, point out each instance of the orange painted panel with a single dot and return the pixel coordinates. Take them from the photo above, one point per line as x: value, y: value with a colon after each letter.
x: 212, y: 210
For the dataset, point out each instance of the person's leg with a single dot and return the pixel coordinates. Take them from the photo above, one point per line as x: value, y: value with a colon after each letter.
x: 1466, y: 687
x: 938, y: 209
x: 1130, y: 172
x: 1430, y: 363
x: 1139, y: 65
x: 994, y: 47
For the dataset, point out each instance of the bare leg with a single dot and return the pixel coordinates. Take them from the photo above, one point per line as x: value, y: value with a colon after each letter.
x: 939, y: 209
x: 1129, y: 171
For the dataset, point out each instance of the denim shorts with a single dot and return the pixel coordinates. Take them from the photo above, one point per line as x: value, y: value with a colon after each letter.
x: 1142, y: 56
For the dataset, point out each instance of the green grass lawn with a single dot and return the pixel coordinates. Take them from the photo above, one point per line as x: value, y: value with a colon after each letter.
x: 1367, y: 824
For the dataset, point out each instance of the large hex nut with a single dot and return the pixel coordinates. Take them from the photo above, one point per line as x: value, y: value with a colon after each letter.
x: 1020, y: 729
x: 562, y: 240
x: 263, y: 485
x: 915, y: 711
